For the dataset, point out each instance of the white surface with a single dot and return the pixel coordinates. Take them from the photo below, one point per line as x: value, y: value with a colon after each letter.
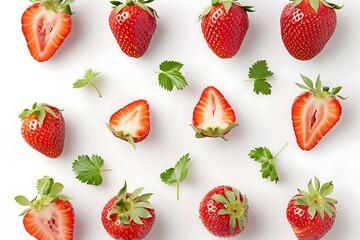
x: 264, y: 120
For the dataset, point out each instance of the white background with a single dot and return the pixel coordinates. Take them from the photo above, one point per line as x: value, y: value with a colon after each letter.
x: 264, y: 120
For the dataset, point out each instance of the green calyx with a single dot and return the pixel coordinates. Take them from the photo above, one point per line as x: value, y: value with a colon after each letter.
x: 131, y: 207
x: 40, y: 111
x: 123, y: 135
x: 141, y: 3
x: 213, y: 132
x: 57, y: 6
x: 48, y: 191
x: 316, y: 199
x: 318, y: 90
x: 315, y: 4
x: 227, y: 5
x: 234, y: 206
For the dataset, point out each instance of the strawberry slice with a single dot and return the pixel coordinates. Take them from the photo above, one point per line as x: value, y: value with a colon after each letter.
x: 45, y: 25
x: 132, y: 122
x: 52, y: 223
x: 314, y: 113
x: 49, y: 216
x: 213, y: 115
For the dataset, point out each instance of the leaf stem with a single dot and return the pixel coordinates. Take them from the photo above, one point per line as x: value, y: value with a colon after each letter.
x: 97, y: 90
x: 177, y: 190
x: 106, y: 170
x: 280, y: 150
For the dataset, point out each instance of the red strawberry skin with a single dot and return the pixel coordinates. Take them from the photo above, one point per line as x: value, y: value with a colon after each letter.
x: 117, y: 230
x: 305, y: 227
x: 305, y: 32
x: 47, y: 138
x: 44, y: 30
x: 54, y: 222
x: 216, y: 224
x: 133, y: 28
x: 225, y: 32
x: 313, y: 118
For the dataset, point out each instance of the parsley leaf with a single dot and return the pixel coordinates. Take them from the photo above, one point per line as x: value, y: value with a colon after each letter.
x: 176, y: 174
x: 267, y: 160
x: 171, y: 76
x: 88, y: 170
x: 88, y: 79
x: 259, y: 72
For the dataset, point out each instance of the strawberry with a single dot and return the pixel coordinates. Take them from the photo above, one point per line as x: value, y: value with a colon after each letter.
x: 307, y: 26
x: 213, y: 115
x: 49, y: 216
x: 312, y: 214
x: 224, y: 211
x: 132, y: 122
x: 315, y: 112
x: 133, y: 25
x: 128, y: 216
x: 43, y: 128
x: 46, y: 24
x: 224, y: 26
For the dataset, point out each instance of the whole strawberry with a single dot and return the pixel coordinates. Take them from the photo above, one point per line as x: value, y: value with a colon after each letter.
x: 46, y: 24
x: 50, y: 215
x: 128, y: 216
x: 315, y: 112
x: 312, y: 214
x: 224, y: 26
x: 43, y: 128
x: 133, y: 25
x: 224, y: 211
x: 307, y: 26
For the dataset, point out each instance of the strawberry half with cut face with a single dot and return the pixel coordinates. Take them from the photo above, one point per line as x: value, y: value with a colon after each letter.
x: 45, y: 25
x: 50, y: 215
x: 133, y: 25
x: 312, y: 214
x: 224, y: 25
x: 307, y: 26
x: 43, y: 128
x: 224, y: 211
x: 128, y: 216
x: 213, y: 115
x: 132, y: 122
x: 315, y: 112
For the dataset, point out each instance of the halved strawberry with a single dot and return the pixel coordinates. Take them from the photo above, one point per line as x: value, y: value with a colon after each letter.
x: 45, y: 25
x: 50, y: 216
x: 315, y: 112
x: 213, y: 115
x: 132, y: 122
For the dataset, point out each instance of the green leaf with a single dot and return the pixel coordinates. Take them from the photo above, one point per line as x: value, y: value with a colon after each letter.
x: 262, y: 86
x: 295, y: 3
x: 88, y: 170
x: 171, y: 76
x: 227, y: 6
x: 177, y: 174
x: 23, y: 201
x: 56, y: 189
x: 220, y: 198
x: 259, y: 72
x: 308, y: 82
x: 44, y: 185
x: 315, y: 4
x: 88, y: 79
x: 267, y: 160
